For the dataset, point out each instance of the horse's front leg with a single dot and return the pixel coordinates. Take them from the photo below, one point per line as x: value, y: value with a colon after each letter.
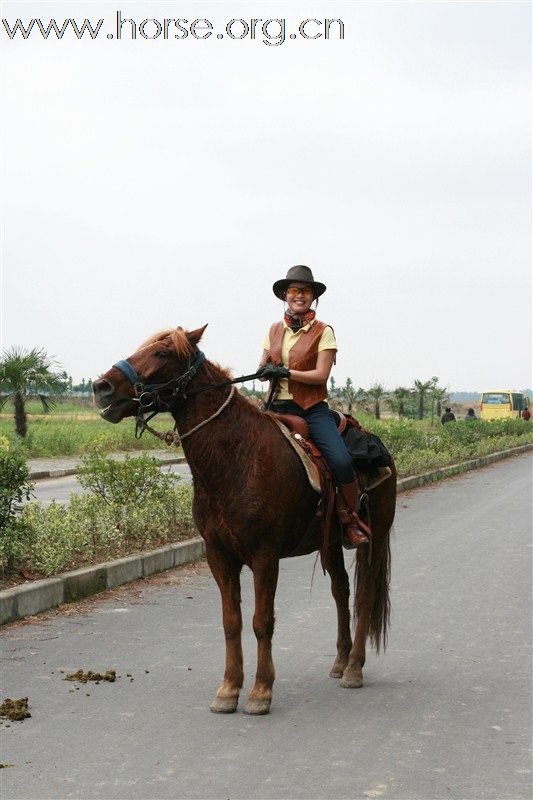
x: 265, y: 572
x: 226, y: 571
x: 340, y: 589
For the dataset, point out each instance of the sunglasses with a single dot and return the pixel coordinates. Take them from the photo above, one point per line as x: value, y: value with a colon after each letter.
x: 293, y: 291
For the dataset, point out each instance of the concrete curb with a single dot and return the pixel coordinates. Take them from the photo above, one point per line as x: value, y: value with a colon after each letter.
x: 61, y: 473
x: 31, y: 598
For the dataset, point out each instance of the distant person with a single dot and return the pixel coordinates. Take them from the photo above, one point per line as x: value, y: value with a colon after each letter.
x: 525, y: 414
x: 470, y: 414
x: 448, y: 416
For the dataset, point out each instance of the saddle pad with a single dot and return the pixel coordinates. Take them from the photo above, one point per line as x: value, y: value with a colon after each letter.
x: 310, y: 467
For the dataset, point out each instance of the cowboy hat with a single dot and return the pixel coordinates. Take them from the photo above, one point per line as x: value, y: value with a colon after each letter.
x: 298, y: 274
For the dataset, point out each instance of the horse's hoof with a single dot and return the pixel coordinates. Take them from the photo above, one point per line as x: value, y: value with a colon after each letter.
x: 336, y: 672
x: 224, y: 705
x: 256, y: 707
x: 351, y: 681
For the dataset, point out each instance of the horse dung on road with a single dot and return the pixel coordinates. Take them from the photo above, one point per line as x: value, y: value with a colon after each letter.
x: 252, y: 504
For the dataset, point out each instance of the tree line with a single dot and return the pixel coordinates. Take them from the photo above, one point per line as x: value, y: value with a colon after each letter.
x: 423, y: 398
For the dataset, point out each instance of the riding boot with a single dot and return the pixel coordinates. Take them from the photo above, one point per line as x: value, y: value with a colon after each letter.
x: 355, y: 532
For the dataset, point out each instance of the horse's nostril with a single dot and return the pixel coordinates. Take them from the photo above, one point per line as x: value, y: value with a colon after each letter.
x: 101, y: 386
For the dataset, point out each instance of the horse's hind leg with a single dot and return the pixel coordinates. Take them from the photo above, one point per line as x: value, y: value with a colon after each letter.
x: 226, y: 571
x: 265, y: 582
x: 352, y: 677
x: 340, y: 589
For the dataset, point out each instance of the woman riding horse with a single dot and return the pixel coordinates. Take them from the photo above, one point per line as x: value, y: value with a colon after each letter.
x: 298, y: 354
x: 252, y: 503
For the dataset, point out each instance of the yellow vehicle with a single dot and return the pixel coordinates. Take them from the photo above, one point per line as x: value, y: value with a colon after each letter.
x: 502, y: 404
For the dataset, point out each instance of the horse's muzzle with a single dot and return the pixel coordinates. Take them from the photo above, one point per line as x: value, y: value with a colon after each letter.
x: 114, y: 405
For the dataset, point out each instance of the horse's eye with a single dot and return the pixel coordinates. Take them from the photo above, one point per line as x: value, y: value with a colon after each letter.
x: 161, y: 354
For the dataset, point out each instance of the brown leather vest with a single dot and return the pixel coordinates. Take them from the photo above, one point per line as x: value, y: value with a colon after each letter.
x: 303, y: 356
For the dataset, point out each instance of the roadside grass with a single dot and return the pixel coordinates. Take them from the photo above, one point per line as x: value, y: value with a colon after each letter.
x: 63, y: 405
x: 50, y: 436
x: 75, y: 428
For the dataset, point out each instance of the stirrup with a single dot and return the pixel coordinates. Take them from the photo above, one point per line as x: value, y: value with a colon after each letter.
x: 360, y: 528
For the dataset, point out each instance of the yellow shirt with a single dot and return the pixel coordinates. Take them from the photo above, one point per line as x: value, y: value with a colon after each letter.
x: 290, y: 337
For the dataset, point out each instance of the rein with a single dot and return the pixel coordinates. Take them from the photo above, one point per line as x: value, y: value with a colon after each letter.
x: 149, y: 396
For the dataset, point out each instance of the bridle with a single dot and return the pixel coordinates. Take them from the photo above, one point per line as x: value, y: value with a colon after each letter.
x: 153, y: 398
x: 149, y: 394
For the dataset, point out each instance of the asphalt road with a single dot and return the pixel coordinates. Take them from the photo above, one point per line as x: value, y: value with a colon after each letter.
x: 444, y: 713
x: 48, y: 489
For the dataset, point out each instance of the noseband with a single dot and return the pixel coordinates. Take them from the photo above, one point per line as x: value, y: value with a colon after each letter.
x: 148, y: 395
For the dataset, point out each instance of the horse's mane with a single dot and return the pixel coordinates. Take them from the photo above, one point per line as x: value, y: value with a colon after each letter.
x: 178, y: 337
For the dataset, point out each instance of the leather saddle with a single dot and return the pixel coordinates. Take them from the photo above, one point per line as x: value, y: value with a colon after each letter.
x: 296, y: 431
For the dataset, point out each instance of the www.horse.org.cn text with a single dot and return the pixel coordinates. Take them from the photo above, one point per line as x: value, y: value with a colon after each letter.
x: 271, y: 32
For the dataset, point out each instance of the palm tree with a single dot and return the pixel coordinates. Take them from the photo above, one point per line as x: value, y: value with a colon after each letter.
x: 376, y: 393
x: 397, y: 399
x: 438, y: 395
x: 421, y: 389
x: 29, y: 373
x: 349, y: 394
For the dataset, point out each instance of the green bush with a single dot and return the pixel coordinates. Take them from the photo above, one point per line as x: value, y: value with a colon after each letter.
x: 132, y: 506
x: 418, y: 446
x: 14, y: 489
x: 135, y: 480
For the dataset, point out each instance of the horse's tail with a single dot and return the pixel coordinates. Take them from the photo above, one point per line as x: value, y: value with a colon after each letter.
x: 372, y: 580
x: 378, y: 574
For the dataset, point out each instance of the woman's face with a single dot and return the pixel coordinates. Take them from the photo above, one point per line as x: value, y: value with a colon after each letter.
x: 299, y: 297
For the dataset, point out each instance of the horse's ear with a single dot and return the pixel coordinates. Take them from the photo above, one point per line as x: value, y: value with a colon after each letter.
x: 195, y: 336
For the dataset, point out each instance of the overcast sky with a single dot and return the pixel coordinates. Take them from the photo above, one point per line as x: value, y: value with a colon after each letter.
x: 154, y: 183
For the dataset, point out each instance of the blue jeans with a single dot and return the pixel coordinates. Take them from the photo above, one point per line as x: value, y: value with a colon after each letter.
x: 324, y: 433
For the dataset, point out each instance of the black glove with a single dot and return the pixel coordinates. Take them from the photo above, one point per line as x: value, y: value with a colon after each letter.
x: 270, y: 371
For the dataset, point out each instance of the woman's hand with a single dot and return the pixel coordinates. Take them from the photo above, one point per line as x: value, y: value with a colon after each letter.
x: 314, y: 377
x: 273, y: 371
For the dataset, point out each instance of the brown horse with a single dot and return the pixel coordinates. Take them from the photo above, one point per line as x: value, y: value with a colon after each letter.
x: 253, y: 505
